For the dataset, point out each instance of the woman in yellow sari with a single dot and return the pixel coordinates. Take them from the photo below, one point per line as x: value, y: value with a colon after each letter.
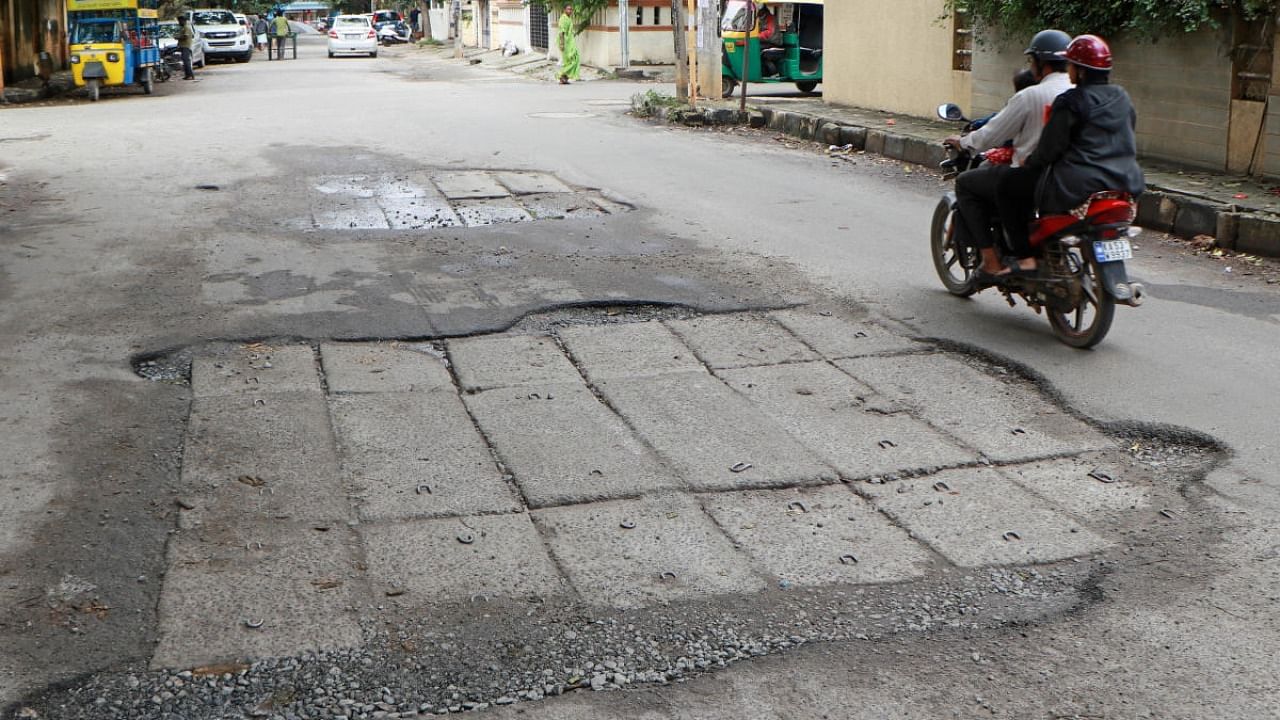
x: 568, y: 35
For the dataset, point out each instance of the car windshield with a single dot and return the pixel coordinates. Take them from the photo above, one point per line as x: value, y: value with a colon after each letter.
x: 352, y: 22
x: 213, y: 17
x: 167, y: 30
x: 95, y: 32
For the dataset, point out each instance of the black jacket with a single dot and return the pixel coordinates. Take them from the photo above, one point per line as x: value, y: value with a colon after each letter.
x: 1088, y: 146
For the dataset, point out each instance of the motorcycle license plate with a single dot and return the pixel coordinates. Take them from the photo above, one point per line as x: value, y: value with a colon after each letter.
x: 1112, y: 250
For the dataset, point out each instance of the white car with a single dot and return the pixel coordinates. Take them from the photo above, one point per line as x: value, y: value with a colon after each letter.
x: 352, y: 34
x: 222, y: 35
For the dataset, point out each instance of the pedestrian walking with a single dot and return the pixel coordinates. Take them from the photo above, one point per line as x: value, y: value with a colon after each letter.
x: 280, y: 28
x: 186, y: 43
x: 569, y: 59
x: 260, y: 30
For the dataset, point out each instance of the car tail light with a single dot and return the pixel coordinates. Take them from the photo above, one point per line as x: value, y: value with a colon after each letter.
x: 333, y: 34
x: 371, y: 35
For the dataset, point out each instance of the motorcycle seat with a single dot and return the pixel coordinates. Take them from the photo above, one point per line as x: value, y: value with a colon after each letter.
x: 1104, y: 208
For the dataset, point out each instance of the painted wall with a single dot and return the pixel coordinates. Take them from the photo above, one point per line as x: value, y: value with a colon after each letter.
x: 648, y: 32
x: 1181, y: 88
x: 894, y: 56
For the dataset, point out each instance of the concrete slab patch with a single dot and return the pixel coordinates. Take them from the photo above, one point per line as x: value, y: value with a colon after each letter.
x: 632, y: 553
x: 715, y: 438
x: 256, y: 369
x: 828, y: 411
x: 417, y: 455
x: 299, y: 587
x: 976, y: 517
x: 493, y: 211
x: 731, y: 341
x: 836, y: 338
x: 345, y: 213
x: 454, y: 560
x: 1004, y: 421
x: 418, y: 213
x: 495, y: 361
x: 382, y: 367
x: 532, y: 183
x: 628, y: 350
x: 560, y: 206
x: 564, y: 446
x: 469, y: 185
x: 249, y: 460
x: 1068, y: 484
x: 818, y: 536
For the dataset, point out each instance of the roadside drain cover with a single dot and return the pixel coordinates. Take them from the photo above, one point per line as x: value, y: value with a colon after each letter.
x: 470, y: 198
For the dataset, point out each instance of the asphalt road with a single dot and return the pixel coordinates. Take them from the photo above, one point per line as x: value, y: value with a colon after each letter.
x: 110, y: 250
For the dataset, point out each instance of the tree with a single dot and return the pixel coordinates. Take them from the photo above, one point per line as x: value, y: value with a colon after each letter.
x: 1143, y: 19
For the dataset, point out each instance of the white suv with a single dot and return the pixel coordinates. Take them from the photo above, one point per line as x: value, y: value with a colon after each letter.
x: 222, y: 35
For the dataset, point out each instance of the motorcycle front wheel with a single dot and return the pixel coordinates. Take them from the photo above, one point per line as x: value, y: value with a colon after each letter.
x: 1088, y: 323
x: 954, y: 265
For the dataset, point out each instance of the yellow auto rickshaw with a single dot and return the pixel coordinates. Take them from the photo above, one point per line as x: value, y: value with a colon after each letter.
x: 792, y: 55
x: 113, y: 42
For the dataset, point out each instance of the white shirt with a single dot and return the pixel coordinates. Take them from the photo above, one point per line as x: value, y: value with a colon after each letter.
x: 1021, y: 120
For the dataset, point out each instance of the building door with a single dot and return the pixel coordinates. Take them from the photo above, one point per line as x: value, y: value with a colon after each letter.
x: 539, y: 29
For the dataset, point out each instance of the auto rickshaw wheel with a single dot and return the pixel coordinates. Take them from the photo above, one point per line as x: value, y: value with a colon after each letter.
x: 727, y: 85
x: 92, y: 86
x: 807, y: 86
x: 148, y: 84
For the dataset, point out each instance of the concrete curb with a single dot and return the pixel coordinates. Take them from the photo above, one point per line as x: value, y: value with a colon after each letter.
x: 1160, y: 209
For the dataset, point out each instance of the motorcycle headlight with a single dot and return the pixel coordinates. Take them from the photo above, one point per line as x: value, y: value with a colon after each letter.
x: 75, y: 59
x: 113, y: 57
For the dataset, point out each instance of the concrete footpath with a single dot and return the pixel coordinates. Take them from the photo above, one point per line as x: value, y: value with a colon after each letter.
x: 1240, y: 213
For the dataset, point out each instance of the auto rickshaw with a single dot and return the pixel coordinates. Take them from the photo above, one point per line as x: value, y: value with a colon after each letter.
x: 113, y: 42
x: 798, y: 59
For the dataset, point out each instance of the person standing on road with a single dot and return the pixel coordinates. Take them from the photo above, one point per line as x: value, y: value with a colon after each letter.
x: 260, y: 30
x: 280, y: 28
x: 186, y: 43
x: 570, y: 61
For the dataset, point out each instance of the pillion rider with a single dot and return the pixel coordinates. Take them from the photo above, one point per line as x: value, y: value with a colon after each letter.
x: 1021, y: 120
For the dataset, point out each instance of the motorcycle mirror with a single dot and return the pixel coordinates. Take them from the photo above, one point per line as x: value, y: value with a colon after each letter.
x: 950, y: 111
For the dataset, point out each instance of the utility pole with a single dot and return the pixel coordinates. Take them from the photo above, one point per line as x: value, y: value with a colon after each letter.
x: 709, y: 52
x: 682, y: 51
x: 691, y: 49
x: 457, y: 29
x: 624, y: 34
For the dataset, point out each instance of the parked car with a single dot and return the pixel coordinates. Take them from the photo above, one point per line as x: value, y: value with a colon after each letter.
x: 169, y: 38
x: 222, y: 35
x: 381, y: 16
x: 352, y: 34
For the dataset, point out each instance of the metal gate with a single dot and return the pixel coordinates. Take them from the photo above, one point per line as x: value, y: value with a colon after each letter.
x: 539, y: 27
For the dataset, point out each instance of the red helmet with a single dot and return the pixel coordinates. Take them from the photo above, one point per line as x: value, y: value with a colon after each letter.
x: 1089, y: 51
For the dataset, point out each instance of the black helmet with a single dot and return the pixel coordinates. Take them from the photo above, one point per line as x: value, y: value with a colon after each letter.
x: 1047, y: 44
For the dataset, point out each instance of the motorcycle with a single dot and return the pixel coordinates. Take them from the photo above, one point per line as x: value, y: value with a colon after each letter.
x: 1080, y: 274
x: 170, y: 64
x: 393, y: 32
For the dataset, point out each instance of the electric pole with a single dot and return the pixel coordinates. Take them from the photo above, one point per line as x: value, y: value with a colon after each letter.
x: 709, y: 52
x: 457, y: 29
x: 682, y: 51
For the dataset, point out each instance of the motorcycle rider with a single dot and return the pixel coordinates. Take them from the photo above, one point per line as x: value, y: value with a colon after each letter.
x: 1088, y: 145
x: 1021, y: 120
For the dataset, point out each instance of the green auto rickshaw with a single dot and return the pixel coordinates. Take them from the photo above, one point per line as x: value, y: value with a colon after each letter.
x: 792, y: 55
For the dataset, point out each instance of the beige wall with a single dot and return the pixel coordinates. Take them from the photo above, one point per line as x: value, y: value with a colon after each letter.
x: 891, y: 55
x: 1181, y: 88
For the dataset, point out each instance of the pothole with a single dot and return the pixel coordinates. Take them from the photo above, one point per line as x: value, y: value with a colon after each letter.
x: 457, y: 198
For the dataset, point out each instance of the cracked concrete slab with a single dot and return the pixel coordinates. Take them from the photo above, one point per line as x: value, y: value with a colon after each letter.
x: 673, y: 552
x: 559, y: 206
x: 564, y: 446
x: 490, y: 211
x: 382, y: 367
x: 1067, y: 483
x: 254, y: 369
x: 344, y: 213
x: 493, y: 361
x: 623, y: 350
x: 300, y: 585
x: 428, y: 563
x: 466, y: 185
x: 532, y: 183
x: 819, y: 536
x: 828, y: 411
x: 419, y: 213
x: 707, y: 431
x: 740, y: 340
x: 1015, y: 425
x: 417, y: 455
x: 249, y: 460
x: 836, y: 338
x: 976, y: 517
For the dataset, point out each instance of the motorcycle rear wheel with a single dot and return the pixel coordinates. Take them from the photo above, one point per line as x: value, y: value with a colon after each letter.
x: 947, y: 258
x: 1090, y: 321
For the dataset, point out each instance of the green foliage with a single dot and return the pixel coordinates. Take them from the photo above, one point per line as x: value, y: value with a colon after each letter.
x: 582, y: 9
x: 1145, y: 19
x: 651, y: 103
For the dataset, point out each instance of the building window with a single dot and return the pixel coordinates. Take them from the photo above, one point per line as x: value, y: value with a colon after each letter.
x: 962, y: 39
x: 657, y: 15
